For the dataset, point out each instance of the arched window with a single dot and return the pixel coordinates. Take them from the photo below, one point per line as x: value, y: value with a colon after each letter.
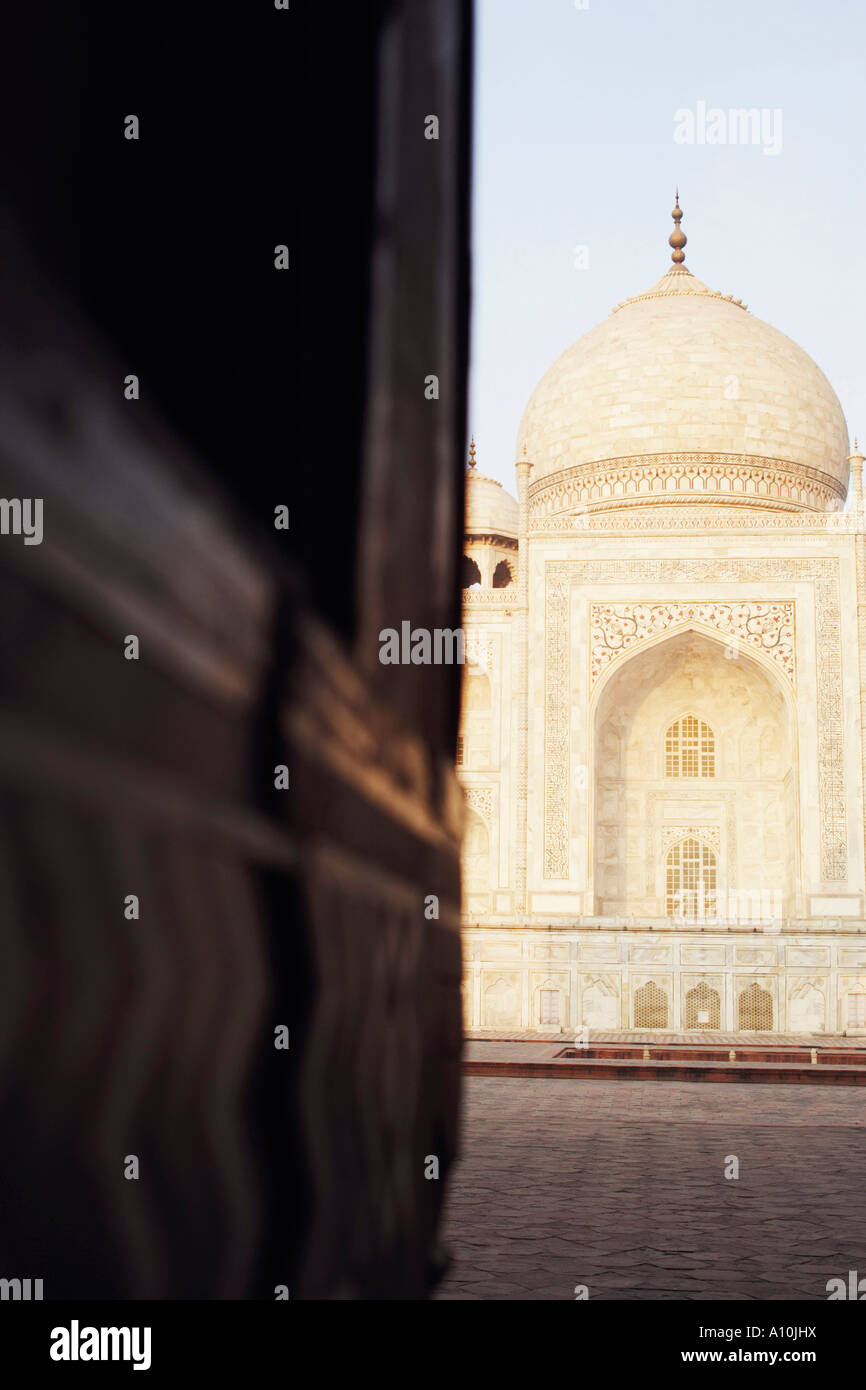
x: 690, y: 880
x: 650, y: 1006
x: 502, y: 575
x: 469, y: 573
x: 755, y: 1010
x: 703, y: 1007
x: 690, y: 748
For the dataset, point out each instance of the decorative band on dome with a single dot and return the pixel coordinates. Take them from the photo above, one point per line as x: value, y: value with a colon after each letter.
x: 686, y: 478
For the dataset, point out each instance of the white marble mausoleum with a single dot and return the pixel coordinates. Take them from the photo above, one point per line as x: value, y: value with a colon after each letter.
x: 663, y: 736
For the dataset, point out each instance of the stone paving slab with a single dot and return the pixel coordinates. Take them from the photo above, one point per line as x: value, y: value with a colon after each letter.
x: 620, y: 1186
x: 499, y: 1051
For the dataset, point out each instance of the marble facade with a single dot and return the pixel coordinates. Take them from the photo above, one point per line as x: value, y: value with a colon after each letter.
x: 688, y: 541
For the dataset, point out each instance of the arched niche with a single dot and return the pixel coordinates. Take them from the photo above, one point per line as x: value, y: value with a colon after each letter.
x: 477, y: 696
x: 476, y: 855
x: 476, y: 718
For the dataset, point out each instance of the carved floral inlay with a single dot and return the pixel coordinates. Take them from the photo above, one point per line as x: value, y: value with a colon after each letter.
x: 496, y: 598
x: 480, y: 649
x: 652, y: 518
x: 617, y: 627
x: 709, y: 834
x: 480, y: 799
x: 723, y: 479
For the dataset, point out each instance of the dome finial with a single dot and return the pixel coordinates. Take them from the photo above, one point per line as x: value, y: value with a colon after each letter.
x: 677, y: 238
x: 472, y: 463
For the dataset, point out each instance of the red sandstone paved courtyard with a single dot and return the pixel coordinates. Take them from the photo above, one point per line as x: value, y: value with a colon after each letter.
x: 620, y: 1186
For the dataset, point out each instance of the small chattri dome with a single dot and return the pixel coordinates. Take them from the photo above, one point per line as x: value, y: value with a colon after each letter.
x: 490, y: 510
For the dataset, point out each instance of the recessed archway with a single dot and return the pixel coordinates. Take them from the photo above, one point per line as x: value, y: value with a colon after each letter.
x: 737, y: 794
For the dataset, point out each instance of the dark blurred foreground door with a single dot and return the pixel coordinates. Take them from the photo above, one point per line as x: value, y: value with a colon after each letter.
x: 229, y: 1007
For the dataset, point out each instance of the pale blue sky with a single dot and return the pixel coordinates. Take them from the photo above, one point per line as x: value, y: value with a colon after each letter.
x: 574, y: 145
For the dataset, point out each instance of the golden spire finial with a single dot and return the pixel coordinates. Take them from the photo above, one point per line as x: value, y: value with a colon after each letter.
x: 472, y: 453
x: 677, y: 238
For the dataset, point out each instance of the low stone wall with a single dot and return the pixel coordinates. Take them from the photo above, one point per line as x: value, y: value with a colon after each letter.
x: 764, y: 978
